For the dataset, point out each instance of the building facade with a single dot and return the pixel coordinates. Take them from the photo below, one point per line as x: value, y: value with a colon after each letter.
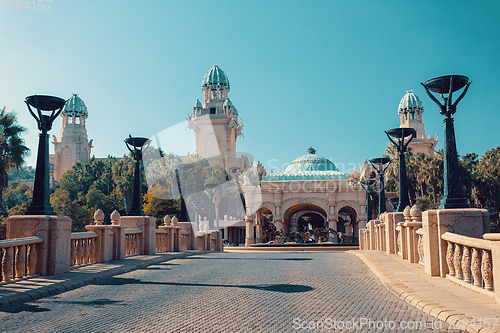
x: 72, y: 145
x: 410, y: 111
x: 216, y: 125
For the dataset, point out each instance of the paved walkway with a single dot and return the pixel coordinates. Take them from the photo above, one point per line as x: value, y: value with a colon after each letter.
x: 229, y: 292
x: 434, y: 295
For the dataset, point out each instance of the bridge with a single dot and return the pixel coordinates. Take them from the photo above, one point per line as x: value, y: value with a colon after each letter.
x: 384, y: 287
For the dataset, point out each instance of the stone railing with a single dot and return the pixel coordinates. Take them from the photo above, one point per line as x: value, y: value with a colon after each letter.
x: 470, y: 261
x: 133, y: 239
x: 19, y: 259
x: 82, y: 248
x: 447, y: 242
x: 49, y: 239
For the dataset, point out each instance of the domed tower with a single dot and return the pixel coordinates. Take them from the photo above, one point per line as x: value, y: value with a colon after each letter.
x: 215, y: 123
x: 410, y: 112
x: 72, y: 145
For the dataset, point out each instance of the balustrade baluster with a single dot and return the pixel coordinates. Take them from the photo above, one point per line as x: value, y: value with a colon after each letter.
x: 20, y: 261
x: 7, y: 265
x: 73, y: 252
x: 486, y: 270
x: 457, y: 261
x: 79, y: 252
x: 92, y: 258
x: 420, y: 249
x: 476, y: 267
x: 449, y: 259
x: 466, y: 262
x: 32, y: 259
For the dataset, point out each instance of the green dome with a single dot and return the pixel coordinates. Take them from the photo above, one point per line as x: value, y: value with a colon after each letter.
x: 216, y: 78
x: 308, y: 167
x: 311, y: 162
x: 75, y: 107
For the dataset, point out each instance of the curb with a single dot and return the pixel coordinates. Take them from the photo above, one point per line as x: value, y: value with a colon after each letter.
x: 401, y: 290
x: 68, y: 285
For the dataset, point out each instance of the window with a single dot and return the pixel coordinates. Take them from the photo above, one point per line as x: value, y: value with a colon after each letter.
x: 212, y: 110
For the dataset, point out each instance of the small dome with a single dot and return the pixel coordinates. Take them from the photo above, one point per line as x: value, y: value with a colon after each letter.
x: 197, y: 105
x: 235, y: 111
x: 228, y: 102
x: 75, y: 107
x: 311, y: 162
x: 215, y: 78
x: 410, y: 103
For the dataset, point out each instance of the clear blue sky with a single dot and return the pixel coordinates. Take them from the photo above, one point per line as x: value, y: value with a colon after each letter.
x: 327, y: 74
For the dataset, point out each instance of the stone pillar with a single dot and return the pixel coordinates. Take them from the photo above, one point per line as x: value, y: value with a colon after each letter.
x: 54, y: 253
x: 187, y: 227
x: 148, y: 226
x: 118, y: 230
x: 495, y: 259
x: 250, y: 237
x: 102, y: 242
x: 469, y: 222
x: 391, y: 221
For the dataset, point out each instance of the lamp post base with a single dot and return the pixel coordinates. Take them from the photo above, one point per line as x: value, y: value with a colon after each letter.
x: 40, y: 210
x: 448, y: 203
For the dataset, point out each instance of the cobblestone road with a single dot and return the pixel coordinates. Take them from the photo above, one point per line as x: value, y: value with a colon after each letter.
x: 227, y: 292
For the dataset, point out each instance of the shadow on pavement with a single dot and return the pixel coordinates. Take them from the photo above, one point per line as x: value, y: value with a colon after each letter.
x: 23, y: 307
x: 283, y: 288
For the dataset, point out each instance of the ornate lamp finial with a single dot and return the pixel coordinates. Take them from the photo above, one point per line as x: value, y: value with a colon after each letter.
x: 311, y: 150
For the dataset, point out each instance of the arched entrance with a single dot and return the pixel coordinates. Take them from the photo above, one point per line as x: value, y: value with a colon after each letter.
x: 299, y: 216
x: 347, y: 223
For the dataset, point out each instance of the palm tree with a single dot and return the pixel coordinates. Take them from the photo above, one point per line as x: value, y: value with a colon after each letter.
x: 12, y: 148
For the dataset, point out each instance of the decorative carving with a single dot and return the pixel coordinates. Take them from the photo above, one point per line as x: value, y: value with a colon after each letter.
x: 99, y: 217
x: 486, y: 270
x: 457, y: 261
x: 420, y: 249
x: 466, y: 262
x: 166, y: 220
x: 20, y: 261
x: 7, y: 267
x: 399, y: 240
x: 85, y: 251
x: 416, y: 213
x: 115, y: 217
x: 476, y: 267
x: 32, y: 259
x: 79, y: 252
x: 449, y: 259
x: 92, y: 254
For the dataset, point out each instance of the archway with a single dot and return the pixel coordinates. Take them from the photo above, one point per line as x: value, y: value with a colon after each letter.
x: 301, y: 215
x: 347, y: 223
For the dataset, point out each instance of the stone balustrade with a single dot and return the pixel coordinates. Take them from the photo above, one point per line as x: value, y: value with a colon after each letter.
x: 44, y: 245
x: 83, y: 248
x: 19, y: 258
x: 446, y: 242
x: 470, y: 261
x: 133, y: 238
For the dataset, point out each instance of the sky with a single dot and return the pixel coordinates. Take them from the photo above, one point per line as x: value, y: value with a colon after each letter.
x: 327, y: 74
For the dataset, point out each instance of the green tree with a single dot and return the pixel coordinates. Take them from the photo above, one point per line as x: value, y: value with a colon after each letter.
x: 12, y: 148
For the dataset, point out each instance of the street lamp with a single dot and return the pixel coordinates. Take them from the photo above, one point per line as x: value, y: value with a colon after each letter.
x: 182, y: 168
x: 135, y: 145
x: 41, y: 190
x: 447, y: 84
x: 367, y: 185
x: 399, y: 134
x: 380, y: 164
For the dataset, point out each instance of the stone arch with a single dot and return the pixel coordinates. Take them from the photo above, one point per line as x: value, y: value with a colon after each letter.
x: 347, y: 222
x: 293, y: 214
x: 320, y: 202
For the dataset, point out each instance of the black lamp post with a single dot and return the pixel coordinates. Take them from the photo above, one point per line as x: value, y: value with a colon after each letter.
x: 452, y: 196
x: 41, y: 191
x: 399, y: 134
x: 380, y: 164
x: 182, y: 168
x: 367, y: 185
x: 135, y: 145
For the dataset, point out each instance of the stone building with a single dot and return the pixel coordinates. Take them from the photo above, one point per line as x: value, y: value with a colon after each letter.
x: 72, y: 145
x: 410, y: 112
x: 216, y: 125
x: 311, y: 190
